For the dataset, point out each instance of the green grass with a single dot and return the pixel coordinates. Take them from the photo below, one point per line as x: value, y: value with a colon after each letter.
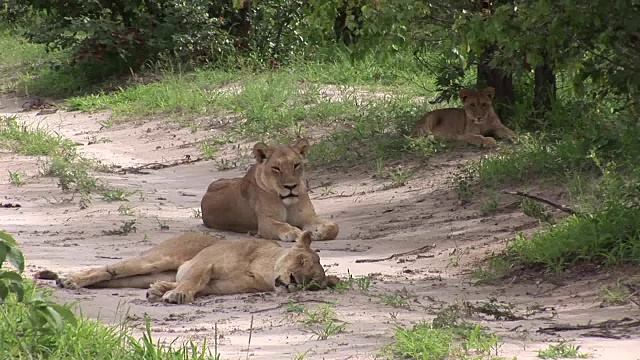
x: 322, y: 321
x: 30, y: 140
x: 562, y: 351
x: 81, y: 339
x: 596, y: 165
x: 72, y: 170
x: 425, y: 341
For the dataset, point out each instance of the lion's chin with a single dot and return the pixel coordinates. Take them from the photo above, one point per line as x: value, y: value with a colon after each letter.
x: 289, y: 200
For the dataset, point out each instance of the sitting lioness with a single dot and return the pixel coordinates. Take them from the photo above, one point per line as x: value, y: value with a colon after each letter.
x: 473, y: 124
x: 192, y: 264
x: 271, y: 199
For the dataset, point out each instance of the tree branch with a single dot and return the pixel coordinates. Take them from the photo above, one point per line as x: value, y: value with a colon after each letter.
x: 543, y: 200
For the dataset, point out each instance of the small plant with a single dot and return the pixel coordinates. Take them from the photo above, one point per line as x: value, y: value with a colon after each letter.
x: 536, y: 210
x: 399, y: 177
x: 327, y: 329
x: 394, y: 299
x: 197, y: 213
x: 125, y: 210
x: 327, y: 190
x: 116, y: 195
x: 208, y: 149
x: 301, y: 355
x: 293, y: 307
x: 323, y: 322
x: 562, y: 351
x: 363, y: 283
x: 614, y: 295
x: 490, y: 206
x: 106, y: 124
x: 424, y: 147
x: 463, y: 182
x: 126, y: 228
x: 493, y: 273
x: 15, y: 178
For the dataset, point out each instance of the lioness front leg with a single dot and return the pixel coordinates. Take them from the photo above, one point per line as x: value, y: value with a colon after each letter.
x: 194, y: 280
x: 478, y: 140
x: 270, y: 228
x: 136, y: 266
x: 504, y: 132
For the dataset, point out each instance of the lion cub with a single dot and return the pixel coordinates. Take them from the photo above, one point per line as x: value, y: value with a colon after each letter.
x: 472, y: 124
x: 272, y: 198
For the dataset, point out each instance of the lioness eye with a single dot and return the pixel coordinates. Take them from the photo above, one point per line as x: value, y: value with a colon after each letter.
x: 276, y: 169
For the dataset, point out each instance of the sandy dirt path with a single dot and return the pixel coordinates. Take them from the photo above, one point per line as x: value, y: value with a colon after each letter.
x: 375, y: 222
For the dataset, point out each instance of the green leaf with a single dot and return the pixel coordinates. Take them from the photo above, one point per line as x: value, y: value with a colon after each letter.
x: 7, y: 238
x: 11, y: 276
x: 54, y: 318
x: 4, y: 250
x: 18, y: 289
x: 4, y: 292
x: 16, y: 258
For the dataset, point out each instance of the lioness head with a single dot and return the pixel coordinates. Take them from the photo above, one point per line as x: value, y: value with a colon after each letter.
x: 477, y: 103
x: 300, y: 266
x: 283, y: 168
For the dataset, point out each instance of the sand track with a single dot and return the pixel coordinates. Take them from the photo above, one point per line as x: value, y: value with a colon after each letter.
x: 375, y: 222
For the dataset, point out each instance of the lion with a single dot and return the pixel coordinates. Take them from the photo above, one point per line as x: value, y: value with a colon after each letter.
x: 271, y: 200
x: 184, y: 267
x: 472, y: 124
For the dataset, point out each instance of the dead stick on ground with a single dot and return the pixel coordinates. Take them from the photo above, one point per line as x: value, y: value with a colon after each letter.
x: 608, y: 324
x: 537, y: 198
x: 250, y: 332
x: 412, y: 252
x: 287, y: 303
x: 157, y: 166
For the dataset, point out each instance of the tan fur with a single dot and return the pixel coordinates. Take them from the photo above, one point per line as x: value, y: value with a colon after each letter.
x: 193, y: 264
x: 271, y: 199
x: 472, y: 124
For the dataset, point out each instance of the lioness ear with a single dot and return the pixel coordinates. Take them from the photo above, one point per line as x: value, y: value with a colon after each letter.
x: 489, y: 91
x: 304, y: 240
x: 301, y: 146
x: 261, y: 151
x: 464, y: 93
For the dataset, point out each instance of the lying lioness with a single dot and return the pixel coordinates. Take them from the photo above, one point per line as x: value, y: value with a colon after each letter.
x: 193, y: 264
x: 272, y: 198
x: 472, y: 124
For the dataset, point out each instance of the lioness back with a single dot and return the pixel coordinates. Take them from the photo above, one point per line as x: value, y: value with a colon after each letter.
x: 451, y: 118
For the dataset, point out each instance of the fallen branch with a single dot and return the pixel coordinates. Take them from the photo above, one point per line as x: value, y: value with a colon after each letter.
x: 543, y: 200
x: 623, y: 323
x: 412, y: 252
x: 287, y: 303
x: 157, y: 166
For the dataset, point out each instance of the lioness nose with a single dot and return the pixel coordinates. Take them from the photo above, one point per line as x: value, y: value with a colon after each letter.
x: 290, y: 186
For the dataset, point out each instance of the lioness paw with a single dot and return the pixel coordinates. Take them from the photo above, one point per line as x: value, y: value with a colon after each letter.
x: 154, y: 295
x: 489, y: 142
x: 290, y: 235
x: 332, y: 281
x: 177, y: 297
x: 325, y: 231
x: 66, y: 283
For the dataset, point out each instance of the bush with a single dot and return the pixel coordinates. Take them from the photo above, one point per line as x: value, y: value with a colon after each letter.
x: 34, y: 327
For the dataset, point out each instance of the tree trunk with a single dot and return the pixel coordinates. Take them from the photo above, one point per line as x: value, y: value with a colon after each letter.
x: 545, y: 88
x: 503, y: 83
x: 341, y: 30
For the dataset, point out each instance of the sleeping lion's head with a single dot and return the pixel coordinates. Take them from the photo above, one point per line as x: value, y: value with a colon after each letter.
x: 283, y: 169
x: 300, y: 267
